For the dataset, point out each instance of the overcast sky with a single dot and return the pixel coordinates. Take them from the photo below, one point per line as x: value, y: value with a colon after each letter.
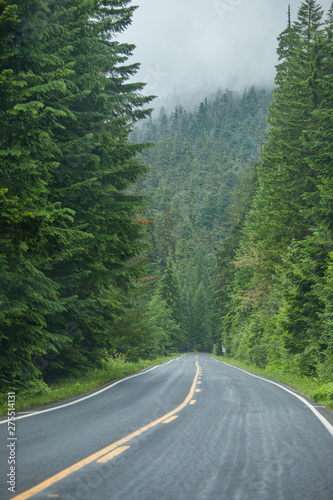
x: 185, y: 45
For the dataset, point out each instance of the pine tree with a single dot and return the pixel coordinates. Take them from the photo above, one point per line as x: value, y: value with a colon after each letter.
x: 97, y: 169
x: 34, y: 230
x: 68, y: 225
x: 284, y: 175
x: 281, y: 262
x: 164, y: 330
x: 318, y: 140
x: 169, y: 291
x: 165, y: 237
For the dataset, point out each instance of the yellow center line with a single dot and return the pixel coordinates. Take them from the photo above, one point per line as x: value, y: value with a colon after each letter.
x: 171, y: 419
x: 113, y: 454
x: 95, y: 456
x: 193, y: 402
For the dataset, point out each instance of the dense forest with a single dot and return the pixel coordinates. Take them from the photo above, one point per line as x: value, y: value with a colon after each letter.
x: 196, y: 163
x: 123, y: 233
x: 273, y: 283
x: 69, y: 231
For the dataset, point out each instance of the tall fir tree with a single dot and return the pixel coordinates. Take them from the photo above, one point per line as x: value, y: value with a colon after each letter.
x: 281, y: 272
x: 33, y: 228
x: 98, y: 166
x: 68, y: 225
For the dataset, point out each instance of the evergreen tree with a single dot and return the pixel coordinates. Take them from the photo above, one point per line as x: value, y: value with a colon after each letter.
x: 276, y: 309
x: 68, y: 222
x: 164, y: 330
x: 34, y: 229
x: 165, y: 237
x: 98, y: 167
x: 284, y: 175
x: 196, y: 165
x: 169, y: 291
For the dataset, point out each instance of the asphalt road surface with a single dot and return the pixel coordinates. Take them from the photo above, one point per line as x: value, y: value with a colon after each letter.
x: 190, y: 429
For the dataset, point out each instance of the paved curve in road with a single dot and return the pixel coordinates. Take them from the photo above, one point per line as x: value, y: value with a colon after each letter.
x: 190, y: 429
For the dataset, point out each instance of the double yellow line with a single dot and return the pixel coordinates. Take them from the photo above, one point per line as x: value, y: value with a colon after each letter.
x: 112, y: 450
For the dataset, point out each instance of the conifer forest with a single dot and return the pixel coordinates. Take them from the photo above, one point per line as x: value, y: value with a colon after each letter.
x: 127, y: 232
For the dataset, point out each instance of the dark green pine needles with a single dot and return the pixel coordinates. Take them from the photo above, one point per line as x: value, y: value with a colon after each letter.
x: 278, y: 307
x: 67, y: 225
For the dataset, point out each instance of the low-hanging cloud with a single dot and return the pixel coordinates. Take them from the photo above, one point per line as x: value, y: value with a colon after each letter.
x: 183, y: 45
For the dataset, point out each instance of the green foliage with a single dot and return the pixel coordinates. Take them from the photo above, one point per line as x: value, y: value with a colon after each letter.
x: 35, y: 387
x: 304, y: 385
x: 324, y: 392
x: 38, y: 393
x: 69, y: 233
x: 165, y: 331
x: 237, y: 246
x: 273, y: 280
x: 196, y: 165
x: 33, y: 228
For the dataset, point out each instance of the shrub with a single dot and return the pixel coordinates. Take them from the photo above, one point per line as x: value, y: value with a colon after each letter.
x: 324, y: 392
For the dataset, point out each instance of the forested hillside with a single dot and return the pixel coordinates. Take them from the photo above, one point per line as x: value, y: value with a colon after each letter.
x: 196, y: 163
x: 274, y: 281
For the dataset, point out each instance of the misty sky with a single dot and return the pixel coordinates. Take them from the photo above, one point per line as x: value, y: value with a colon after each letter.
x: 185, y: 45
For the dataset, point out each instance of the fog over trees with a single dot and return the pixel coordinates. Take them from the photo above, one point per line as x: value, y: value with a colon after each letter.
x: 188, y: 45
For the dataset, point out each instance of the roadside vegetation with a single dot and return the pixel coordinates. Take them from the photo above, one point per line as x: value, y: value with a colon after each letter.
x: 310, y: 387
x: 274, y: 277
x: 38, y: 393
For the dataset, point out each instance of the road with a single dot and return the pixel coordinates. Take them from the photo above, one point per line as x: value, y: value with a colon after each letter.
x: 190, y: 429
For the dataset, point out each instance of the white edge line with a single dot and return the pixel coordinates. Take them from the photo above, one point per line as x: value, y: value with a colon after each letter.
x: 87, y: 397
x: 322, y: 419
x: 171, y: 360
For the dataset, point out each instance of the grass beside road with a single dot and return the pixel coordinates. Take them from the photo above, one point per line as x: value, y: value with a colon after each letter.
x: 305, y: 385
x: 41, y: 394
